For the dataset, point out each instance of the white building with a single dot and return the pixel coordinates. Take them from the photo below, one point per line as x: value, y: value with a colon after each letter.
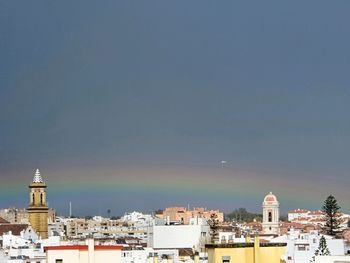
x: 178, y: 236
x: 137, y: 217
x: 25, y: 247
x: 332, y: 259
x: 89, y: 253
x: 146, y: 254
x: 270, y: 222
x: 301, y: 247
x: 297, y: 213
x: 229, y: 237
x: 316, y: 218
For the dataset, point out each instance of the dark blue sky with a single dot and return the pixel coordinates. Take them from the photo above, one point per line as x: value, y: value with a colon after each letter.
x: 143, y: 85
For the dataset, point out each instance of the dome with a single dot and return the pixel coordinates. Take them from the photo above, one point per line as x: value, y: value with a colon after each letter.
x: 270, y: 199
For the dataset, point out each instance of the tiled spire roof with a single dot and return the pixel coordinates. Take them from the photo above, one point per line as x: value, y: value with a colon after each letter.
x: 37, y: 177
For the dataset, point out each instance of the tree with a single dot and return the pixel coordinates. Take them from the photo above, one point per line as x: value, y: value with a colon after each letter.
x: 322, y: 249
x: 214, y: 227
x: 158, y: 212
x: 331, y: 210
x: 242, y: 215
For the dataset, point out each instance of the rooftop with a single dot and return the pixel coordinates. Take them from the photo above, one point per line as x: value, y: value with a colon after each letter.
x: 3, y: 221
x: 14, y: 228
x: 83, y: 247
x: 244, y: 245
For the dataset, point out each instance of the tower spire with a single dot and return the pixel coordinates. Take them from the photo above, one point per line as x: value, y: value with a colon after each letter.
x: 37, y: 177
x: 38, y: 209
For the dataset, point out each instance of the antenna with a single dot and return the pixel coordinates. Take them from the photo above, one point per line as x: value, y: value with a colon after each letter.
x: 70, y: 209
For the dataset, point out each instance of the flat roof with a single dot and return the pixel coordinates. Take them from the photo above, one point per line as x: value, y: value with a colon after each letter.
x: 82, y: 247
x: 243, y: 245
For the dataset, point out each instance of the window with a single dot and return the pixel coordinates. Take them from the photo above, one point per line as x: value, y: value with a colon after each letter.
x: 226, y: 259
x: 41, y: 198
x: 270, y: 217
x: 303, y: 247
x: 33, y: 198
x: 59, y: 261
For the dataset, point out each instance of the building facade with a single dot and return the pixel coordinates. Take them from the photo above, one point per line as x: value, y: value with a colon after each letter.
x: 183, y: 215
x: 246, y: 252
x: 178, y: 236
x: 89, y: 253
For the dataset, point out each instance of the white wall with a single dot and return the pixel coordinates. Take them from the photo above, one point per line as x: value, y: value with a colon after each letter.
x: 10, y: 240
x: 178, y: 236
x: 66, y: 255
x: 332, y: 259
x: 295, y: 241
x: 107, y: 256
x: 230, y: 237
x: 142, y: 256
x: 84, y: 256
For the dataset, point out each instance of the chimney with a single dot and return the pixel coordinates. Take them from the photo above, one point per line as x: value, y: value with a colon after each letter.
x: 91, y: 248
x: 196, y: 257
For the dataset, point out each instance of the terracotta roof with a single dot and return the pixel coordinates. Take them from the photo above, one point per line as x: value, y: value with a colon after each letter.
x: 318, y: 213
x: 270, y: 198
x: 317, y: 220
x: 3, y: 221
x: 185, y: 252
x: 14, y: 228
x: 301, y: 219
x: 297, y: 211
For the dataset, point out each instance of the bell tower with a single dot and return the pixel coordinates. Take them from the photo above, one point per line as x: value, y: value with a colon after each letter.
x: 38, y: 209
x: 271, y: 215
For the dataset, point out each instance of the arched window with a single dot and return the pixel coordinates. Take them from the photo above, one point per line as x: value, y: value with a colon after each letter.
x: 270, y: 216
x: 41, y: 198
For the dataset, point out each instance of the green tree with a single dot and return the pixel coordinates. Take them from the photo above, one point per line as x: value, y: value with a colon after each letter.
x: 322, y: 249
x: 331, y: 210
x: 242, y: 215
x: 214, y: 227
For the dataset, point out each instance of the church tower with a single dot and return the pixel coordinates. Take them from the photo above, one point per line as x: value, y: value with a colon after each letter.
x: 271, y: 215
x: 38, y: 209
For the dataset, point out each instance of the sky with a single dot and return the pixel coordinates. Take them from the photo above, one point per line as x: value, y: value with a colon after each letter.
x: 132, y: 105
